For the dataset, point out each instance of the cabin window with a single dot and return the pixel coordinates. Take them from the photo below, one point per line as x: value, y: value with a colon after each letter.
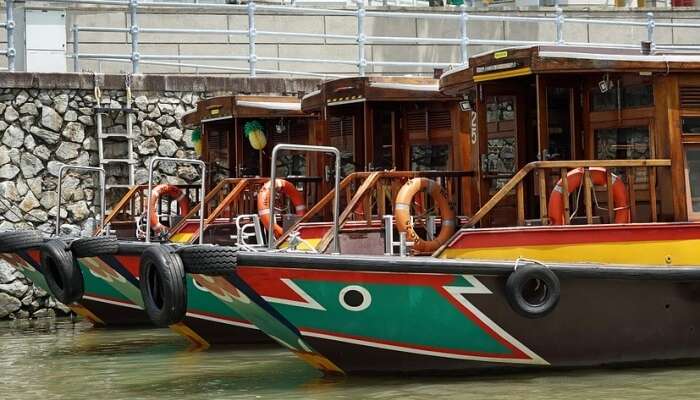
x: 690, y: 125
x: 629, y: 143
x: 629, y: 97
x: 290, y: 131
x: 341, y: 131
x: 430, y: 157
x: 500, y: 159
x: 692, y: 176
x: 383, y: 140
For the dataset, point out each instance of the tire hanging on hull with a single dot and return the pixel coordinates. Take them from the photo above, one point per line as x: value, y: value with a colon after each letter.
x: 163, y: 286
x: 533, y: 290
x: 61, y: 271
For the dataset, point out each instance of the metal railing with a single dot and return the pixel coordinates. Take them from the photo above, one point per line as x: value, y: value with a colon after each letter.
x: 461, y: 17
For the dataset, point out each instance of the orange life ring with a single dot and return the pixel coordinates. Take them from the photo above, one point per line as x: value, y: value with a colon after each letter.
x: 598, y: 177
x: 402, y: 213
x: 281, y: 186
x: 173, y: 191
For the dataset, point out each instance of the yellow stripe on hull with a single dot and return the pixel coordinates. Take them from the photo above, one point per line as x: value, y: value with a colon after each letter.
x: 181, y: 237
x: 664, y: 253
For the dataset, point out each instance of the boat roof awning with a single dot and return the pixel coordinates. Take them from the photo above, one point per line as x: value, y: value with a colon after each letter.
x: 522, y: 61
x: 374, y: 88
x: 244, y: 106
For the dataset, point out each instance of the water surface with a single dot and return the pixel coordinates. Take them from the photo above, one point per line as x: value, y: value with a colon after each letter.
x: 56, y: 359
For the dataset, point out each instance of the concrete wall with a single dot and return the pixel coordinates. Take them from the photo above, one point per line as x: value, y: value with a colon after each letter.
x: 199, y: 44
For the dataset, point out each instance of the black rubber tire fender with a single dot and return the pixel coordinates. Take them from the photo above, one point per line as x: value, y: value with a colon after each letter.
x: 61, y: 271
x: 208, y: 259
x: 533, y: 290
x: 12, y: 241
x: 163, y: 286
x: 95, y: 246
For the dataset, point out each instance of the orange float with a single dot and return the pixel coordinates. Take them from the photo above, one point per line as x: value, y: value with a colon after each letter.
x: 402, y: 213
x: 281, y: 186
x: 173, y: 191
x: 598, y: 177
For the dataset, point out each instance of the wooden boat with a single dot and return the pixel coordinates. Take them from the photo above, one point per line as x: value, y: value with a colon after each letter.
x: 209, y: 319
x: 581, y: 253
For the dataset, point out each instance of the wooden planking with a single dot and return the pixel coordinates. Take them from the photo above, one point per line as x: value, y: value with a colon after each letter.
x: 632, y: 193
x: 587, y: 195
x: 360, y: 194
x: 565, y: 195
x: 520, y: 194
x: 611, y: 200
x: 542, y: 179
x: 651, y: 172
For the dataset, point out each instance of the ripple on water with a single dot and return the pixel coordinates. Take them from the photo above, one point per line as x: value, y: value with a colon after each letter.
x: 56, y: 359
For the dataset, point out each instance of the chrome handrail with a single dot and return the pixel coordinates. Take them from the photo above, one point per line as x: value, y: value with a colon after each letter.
x: 273, y: 187
x: 152, y: 164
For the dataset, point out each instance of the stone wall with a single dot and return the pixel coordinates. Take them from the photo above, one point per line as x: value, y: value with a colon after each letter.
x: 19, y: 298
x: 47, y: 120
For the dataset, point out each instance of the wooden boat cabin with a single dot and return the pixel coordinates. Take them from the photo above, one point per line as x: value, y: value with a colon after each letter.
x: 227, y: 123
x: 393, y: 123
x: 600, y: 116
x: 229, y: 128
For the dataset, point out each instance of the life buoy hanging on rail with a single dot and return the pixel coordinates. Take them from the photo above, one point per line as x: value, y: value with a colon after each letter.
x: 173, y: 191
x: 402, y: 213
x: 281, y: 186
x: 598, y: 177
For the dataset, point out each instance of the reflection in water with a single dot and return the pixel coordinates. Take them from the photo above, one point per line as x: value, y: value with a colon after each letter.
x: 57, y: 359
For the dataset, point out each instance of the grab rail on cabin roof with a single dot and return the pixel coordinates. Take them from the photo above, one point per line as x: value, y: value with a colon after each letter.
x: 542, y: 167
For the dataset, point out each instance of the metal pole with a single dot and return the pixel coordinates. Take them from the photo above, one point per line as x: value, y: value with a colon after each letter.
x: 10, y: 28
x: 103, y: 204
x: 559, y: 21
x: 252, y: 58
x: 464, y: 32
x: 151, y: 166
x: 361, y: 38
x: 651, y: 24
x: 76, y: 49
x: 134, y: 31
x: 273, y: 187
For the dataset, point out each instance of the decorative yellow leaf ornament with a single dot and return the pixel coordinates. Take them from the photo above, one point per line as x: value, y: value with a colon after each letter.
x: 254, y: 132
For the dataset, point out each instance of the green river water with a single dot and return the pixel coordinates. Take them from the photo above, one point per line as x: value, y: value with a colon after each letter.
x: 56, y: 359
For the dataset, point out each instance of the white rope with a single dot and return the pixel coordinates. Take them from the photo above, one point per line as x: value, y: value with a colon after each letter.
x: 519, y: 260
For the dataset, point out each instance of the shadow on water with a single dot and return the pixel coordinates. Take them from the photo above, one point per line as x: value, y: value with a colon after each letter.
x: 55, y: 359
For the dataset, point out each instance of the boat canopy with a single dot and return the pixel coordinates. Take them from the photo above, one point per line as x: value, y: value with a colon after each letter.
x: 374, y: 88
x: 244, y: 106
x: 520, y: 61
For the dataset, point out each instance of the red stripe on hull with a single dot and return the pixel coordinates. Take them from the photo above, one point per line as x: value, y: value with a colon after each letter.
x: 559, y: 235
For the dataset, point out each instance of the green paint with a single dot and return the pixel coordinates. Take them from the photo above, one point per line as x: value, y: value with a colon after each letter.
x: 416, y: 315
x: 242, y: 307
x: 203, y: 301
x: 115, y: 290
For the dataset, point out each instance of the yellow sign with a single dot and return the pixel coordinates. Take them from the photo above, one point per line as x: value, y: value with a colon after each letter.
x: 500, y: 54
x: 214, y: 111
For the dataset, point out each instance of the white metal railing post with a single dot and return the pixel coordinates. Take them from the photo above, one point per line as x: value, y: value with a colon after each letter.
x: 559, y: 21
x: 463, y: 29
x: 76, y: 49
x: 361, y: 38
x: 252, y: 58
x: 651, y: 24
x: 10, y: 28
x: 134, y: 31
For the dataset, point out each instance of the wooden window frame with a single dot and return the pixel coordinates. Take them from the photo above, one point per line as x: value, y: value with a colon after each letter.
x: 692, y: 215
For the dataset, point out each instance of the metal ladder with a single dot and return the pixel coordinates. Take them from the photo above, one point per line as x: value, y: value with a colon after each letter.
x: 103, y: 108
